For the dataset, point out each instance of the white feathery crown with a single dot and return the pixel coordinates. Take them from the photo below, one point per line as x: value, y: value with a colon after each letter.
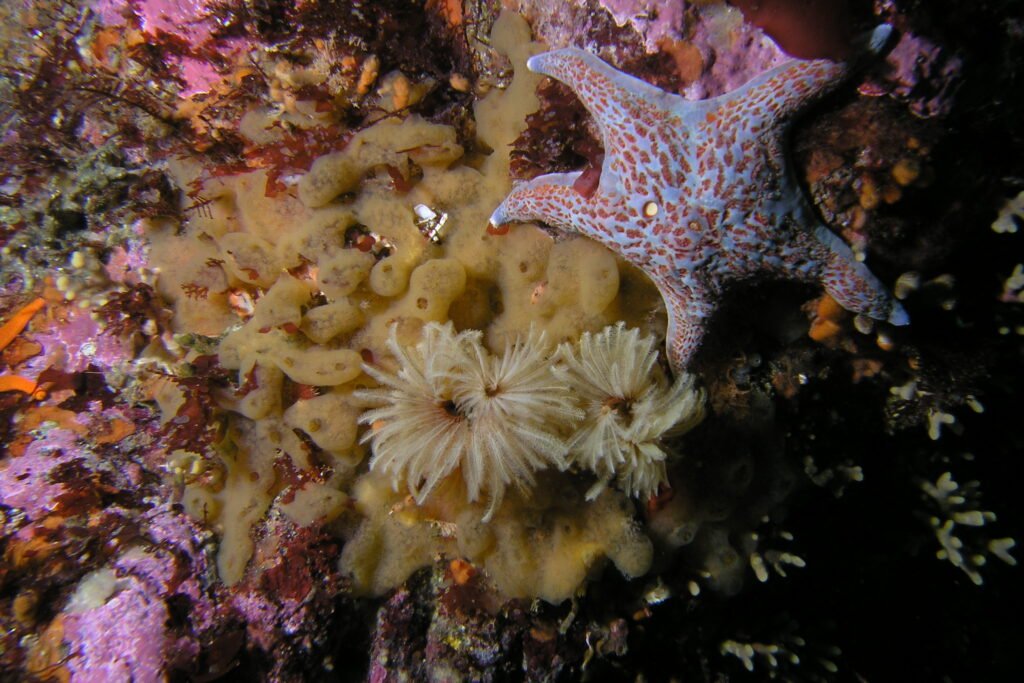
x: 498, y: 418
x: 629, y: 406
x: 454, y: 405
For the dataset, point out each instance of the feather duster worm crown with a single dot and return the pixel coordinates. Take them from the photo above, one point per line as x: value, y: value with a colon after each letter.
x: 629, y: 406
x: 452, y: 405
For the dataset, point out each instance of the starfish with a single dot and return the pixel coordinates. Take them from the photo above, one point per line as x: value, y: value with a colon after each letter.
x: 699, y: 194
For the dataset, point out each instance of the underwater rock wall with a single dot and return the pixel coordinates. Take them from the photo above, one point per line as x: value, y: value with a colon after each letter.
x: 278, y: 402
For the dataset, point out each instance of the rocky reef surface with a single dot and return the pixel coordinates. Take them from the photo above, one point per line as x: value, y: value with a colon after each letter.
x: 276, y: 404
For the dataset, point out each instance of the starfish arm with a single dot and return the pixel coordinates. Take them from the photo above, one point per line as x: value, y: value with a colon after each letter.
x: 687, y: 317
x: 552, y: 199
x: 850, y: 283
x: 781, y: 92
x: 777, y: 94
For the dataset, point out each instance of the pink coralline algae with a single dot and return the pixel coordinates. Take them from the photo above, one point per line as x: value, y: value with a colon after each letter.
x: 75, y: 342
x: 140, y: 601
x: 25, y: 483
x: 126, y: 262
x: 735, y: 52
x: 129, y: 634
x: 715, y: 50
x: 122, y: 639
x: 118, y: 624
x: 654, y: 19
x: 698, y: 194
x: 192, y: 22
x: 191, y: 19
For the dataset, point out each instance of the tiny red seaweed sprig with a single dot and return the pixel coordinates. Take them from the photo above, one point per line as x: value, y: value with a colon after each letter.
x: 196, y: 426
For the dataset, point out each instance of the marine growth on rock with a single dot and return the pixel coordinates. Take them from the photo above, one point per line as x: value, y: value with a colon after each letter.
x: 307, y: 375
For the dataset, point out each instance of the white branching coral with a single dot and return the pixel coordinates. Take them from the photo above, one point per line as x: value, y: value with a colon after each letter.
x: 629, y: 407
x: 1011, y: 212
x: 452, y: 404
x: 959, y: 505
